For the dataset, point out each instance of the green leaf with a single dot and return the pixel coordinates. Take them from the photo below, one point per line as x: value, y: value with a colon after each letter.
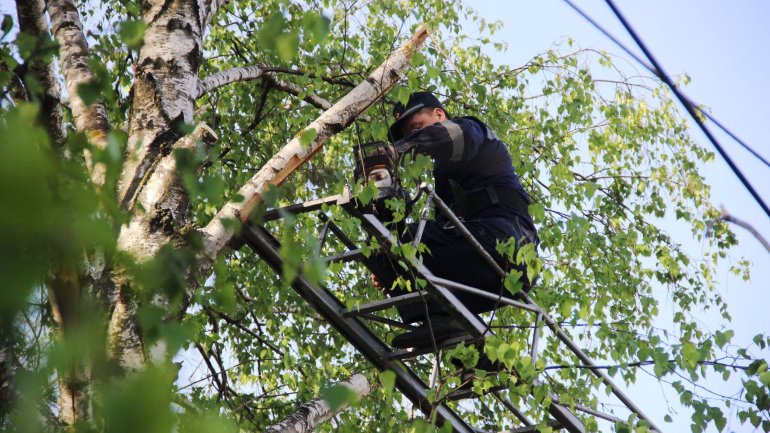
x: 132, y: 33
x: 722, y: 338
x: 7, y: 24
x: 388, y: 381
x: 287, y: 46
x: 307, y: 137
x: 338, y: 395
x: 316, y: 25
x: 690, y: 354
x: 765, y: 378
x: 90, y: 92
x: 537, y: 211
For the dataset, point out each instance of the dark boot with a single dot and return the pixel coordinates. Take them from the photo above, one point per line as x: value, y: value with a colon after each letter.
x: 443, y: 328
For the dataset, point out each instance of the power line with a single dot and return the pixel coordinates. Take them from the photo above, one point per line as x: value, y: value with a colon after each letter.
x: 659, y: 75
x: 687, y: 105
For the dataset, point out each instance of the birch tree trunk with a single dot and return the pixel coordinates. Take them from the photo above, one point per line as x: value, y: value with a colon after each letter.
x: 318, y: 410
x: 66, y: 289
x: 164, y: 91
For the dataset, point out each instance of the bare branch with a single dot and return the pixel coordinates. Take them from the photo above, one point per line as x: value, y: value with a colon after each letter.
x: 229, y: 76
x: 247, y: 73
x: 318, y: 410
x: 731, y: 219
x: 331, y: 80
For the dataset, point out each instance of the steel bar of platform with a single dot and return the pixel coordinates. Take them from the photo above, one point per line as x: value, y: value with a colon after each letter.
x: 354, y: 331
x: 384, y: 304
x: 481, y: 293
x: 347, y: 256
x: 450, y: 303
x: 441, y: 294
x: 386, y: 321
x: 514, y: 410
x: 532, y: 428
x: 413, y: 353
x: 337, y: 231
x: 308, y: 206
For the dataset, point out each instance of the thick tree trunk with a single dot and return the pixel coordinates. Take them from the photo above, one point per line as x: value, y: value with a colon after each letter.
x: 32, y: 21
x: 165, y: 86
x: 318, y: 410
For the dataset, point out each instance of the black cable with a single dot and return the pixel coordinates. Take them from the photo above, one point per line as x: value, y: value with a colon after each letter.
x: 652, y: 70
x: 687, y: 105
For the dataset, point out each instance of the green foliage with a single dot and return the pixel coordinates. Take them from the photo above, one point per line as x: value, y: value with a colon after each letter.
x: 605, y: 163
x: 132, y: 33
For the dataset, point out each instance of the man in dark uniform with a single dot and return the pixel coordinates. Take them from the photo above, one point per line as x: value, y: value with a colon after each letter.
x: 473, y: 175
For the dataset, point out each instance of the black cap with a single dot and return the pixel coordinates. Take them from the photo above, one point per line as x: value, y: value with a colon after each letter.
x: 417, y: 101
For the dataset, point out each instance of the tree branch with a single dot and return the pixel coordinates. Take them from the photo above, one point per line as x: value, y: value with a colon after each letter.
x: 218, y: 233
x: 247, y: 73
x: 211, y: 9
x: 229, y: 76
x: 731, y: 219
x: 318, y: 410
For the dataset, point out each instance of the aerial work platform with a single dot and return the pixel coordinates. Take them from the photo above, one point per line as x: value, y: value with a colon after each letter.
x: 356, y: 323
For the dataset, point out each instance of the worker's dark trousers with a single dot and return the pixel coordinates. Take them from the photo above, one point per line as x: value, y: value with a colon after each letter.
x: 452, y: 257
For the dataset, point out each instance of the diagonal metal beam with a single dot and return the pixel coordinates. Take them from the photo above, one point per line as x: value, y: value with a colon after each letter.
x: 355, y: 332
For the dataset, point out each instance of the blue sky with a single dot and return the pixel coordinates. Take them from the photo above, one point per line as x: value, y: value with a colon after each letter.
x: 723, y: 47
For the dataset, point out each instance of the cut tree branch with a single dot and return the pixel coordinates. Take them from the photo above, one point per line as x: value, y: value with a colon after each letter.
x: 218, y: 233
x: 318, y: 410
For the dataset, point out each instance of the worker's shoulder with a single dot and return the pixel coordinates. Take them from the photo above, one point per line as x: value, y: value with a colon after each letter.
x: 486, y: 130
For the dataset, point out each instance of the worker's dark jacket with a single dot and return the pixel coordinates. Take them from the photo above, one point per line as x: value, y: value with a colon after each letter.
x: 466, y: 151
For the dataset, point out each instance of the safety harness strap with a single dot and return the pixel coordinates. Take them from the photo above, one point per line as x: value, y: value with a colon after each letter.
x: 469, y: 203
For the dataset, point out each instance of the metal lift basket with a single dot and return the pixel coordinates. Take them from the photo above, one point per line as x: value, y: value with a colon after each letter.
x: 354, y: 323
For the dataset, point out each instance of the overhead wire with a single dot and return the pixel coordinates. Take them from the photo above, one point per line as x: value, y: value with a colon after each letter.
x: 649, y: 67
x: 694, y: 112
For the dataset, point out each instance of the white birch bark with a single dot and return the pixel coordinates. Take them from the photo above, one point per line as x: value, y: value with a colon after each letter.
x: 163, y: 209
x: 31, y: 14
x: 228, y: 76
x: 217, y: 234
x: 164, y: 90
x: 162, y: 203
x: 318, y: 410
x: 73, y: 52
